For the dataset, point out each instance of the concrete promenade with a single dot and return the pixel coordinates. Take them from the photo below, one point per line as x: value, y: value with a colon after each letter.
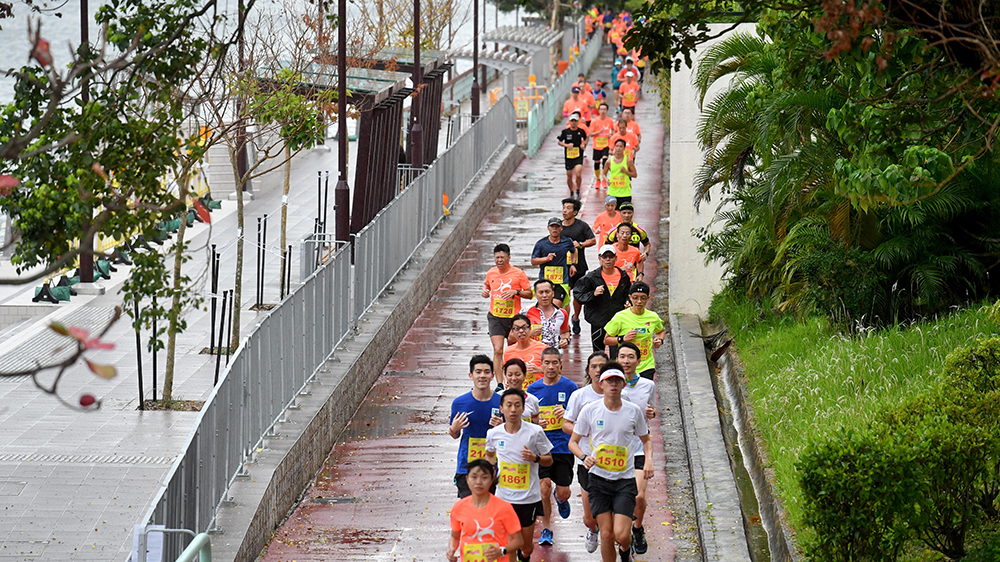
x: 386, y: 488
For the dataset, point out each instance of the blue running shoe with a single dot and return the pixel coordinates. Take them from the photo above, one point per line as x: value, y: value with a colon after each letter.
x: 563, y: 508
x: 546, y: 538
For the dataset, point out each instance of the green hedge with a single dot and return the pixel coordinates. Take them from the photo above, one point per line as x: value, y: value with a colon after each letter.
x: 925, y: 473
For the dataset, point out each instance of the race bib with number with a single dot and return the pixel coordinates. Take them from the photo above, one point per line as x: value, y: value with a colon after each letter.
x: 554, y: 273
x: 514, y: 475
x: 618, y: 181
x: 503, y: 308
x: 613, y: 458
x: 475, y: 552
x: 548, y: 419
x: 644, y: 345
x: 572, y: 152
x: 600, y: 143
x: 630, y: 97
x: 477, y: 448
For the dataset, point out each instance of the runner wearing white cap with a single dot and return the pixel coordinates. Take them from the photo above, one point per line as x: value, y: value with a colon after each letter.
x: 611, y: 425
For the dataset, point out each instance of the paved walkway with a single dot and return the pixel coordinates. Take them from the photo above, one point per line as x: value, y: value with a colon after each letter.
x: 73, y: 484
x: 385, y: 491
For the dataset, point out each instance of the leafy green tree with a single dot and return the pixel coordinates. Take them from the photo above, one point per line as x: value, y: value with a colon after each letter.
x: 847, y: 184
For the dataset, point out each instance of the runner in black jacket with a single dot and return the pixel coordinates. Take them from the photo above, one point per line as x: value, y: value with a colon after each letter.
x: 603, y: 292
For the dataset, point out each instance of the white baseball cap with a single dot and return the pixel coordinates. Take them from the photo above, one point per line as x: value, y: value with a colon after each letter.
x: 607, y: 248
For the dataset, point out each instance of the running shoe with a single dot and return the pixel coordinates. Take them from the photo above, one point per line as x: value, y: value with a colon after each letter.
x: 545, y: 539
x: 576, y: 327
x: 591, y: 540
x: 625, y: 555
x: 522, y: 558
x: 499, y: 387
x: 639, y: 545
x: 578, y: 198
x: 563, y: 508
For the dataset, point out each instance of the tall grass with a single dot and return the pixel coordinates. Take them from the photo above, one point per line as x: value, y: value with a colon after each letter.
x: 806, y: 379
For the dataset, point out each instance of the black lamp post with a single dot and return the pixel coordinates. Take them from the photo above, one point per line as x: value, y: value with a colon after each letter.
x: 475, y: 59
x: 416, y: 144
x: 342, y: 194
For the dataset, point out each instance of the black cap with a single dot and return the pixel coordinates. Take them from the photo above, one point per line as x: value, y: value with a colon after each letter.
x: 555, y: 222
x: 639, y: 287
x: 626, y: 205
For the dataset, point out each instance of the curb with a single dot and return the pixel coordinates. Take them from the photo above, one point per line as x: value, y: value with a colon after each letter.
x: 291, y: 458
x: 780, y: 537
x: 716, y: 500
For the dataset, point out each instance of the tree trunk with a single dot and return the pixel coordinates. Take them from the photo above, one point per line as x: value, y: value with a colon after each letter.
x: 555, y: 16
x: 284, y: 209
x: 238, y: 288
x: 173, y: 316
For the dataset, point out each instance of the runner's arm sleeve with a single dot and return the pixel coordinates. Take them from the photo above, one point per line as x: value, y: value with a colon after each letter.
x: 584, y: 290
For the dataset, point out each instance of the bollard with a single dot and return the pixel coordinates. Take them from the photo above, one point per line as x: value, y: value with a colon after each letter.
x: 222, y: 324
x: 138, y: 353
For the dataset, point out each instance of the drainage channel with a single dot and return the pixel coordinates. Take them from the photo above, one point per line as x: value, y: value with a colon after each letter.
x: 758, y: 530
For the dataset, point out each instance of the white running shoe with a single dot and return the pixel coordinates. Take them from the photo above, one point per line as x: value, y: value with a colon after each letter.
x: 592, y: 540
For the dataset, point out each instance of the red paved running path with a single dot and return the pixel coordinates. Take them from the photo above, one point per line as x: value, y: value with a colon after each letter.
x: 386, y: 489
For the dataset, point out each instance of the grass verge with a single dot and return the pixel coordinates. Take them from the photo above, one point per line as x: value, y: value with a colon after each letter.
x: 806, y: 379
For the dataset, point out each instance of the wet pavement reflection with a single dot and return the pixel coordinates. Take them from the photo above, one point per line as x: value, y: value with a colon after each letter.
x: 386, y: 489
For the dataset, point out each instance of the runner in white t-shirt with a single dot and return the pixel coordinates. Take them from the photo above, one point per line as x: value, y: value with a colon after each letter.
x: 611, y: 425
x: 518, y: 448
x: 641, y: 392
x: 590, y: 392
x: 514, y: 371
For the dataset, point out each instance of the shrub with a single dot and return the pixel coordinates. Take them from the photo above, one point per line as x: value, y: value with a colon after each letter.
x: 858, y: 494
x: 975, y: 367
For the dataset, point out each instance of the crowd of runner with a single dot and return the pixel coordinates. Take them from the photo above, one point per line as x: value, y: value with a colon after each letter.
x: 525, y: 430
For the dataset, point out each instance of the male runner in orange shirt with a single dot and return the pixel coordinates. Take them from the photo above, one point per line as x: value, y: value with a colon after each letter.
x: 505, y: 286
x: 601, y: 129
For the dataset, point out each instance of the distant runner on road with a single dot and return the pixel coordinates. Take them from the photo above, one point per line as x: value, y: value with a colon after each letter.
x: 554, y: 255
x: 525, y: 348
x: 640, y: 326
x: 553, y: 393
x: 472, y: 415
x: 517, y: 449
x: 611, y: 425
x: 642, y: 393
x: 505, y: 286
x: 603, y: 293
x: 589, y: 392
x: 483, y: 526
x: 574, y: 140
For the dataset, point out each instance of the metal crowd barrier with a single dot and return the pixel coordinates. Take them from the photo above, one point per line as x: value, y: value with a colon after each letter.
x: 548, y: 111
x: 263, y: 377
x: 289, y: 345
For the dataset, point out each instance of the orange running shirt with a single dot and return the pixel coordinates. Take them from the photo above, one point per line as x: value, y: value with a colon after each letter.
x: 601, y: 130
x: 612, y: 281
x: 579, y: 106
x: 532, y: 357
x: 514, y: 279
x: 480, y: 528
x: 603, y: 225
x: 629, y: 93
x: 633, y: 128
x: 630, y: 143
x: 628, y: 257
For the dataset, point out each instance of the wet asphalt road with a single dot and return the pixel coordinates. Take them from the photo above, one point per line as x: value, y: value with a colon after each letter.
x: 386, y: 489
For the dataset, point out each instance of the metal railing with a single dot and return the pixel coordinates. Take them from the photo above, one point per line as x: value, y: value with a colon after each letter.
x: 548, y: 111
x: 384, y: 246
x: 263, y: 378
x: 287, y: 347
x: 405, y: 174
